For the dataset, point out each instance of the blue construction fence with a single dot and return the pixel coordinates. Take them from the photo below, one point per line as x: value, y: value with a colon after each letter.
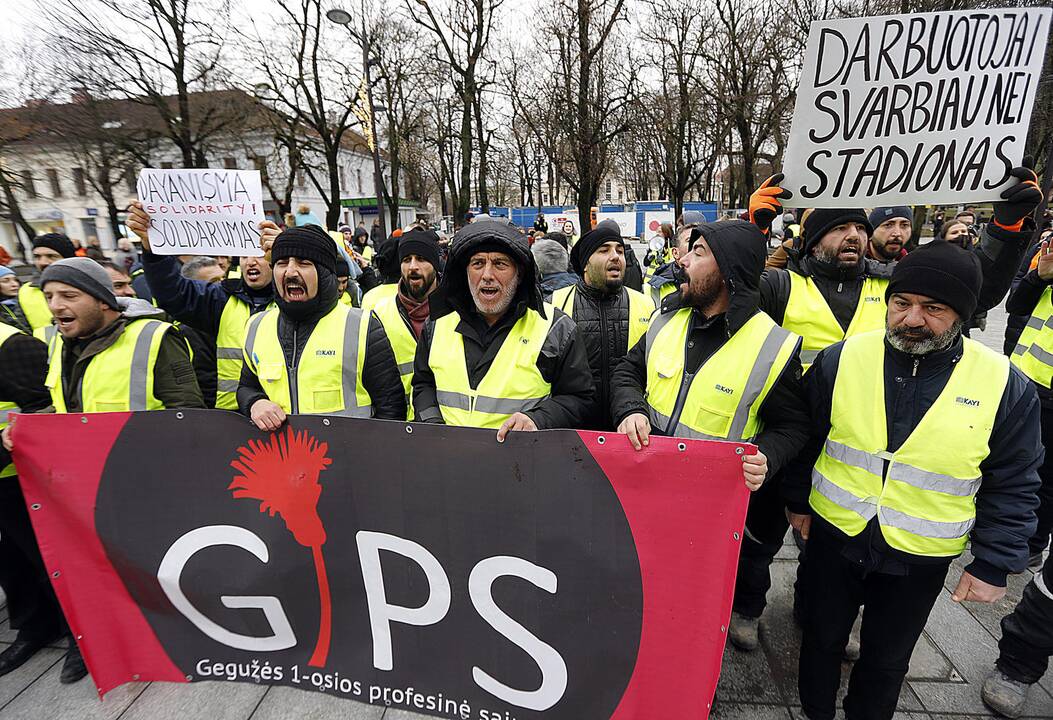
x: 524, y: 216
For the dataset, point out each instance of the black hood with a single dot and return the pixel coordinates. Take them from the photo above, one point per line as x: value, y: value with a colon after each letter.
x: 453, y: 293
x: 740, y: 250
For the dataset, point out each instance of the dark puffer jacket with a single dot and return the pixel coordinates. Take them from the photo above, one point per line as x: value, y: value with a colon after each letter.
x: 603, y: 321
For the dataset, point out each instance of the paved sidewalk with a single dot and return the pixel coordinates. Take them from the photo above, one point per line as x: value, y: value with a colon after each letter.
x: 956, y: 651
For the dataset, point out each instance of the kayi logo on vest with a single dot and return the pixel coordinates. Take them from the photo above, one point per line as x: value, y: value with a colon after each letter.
x: 967, y: 401
x: 725, y: 390
x: 325, y: 353
x: 872, y: 298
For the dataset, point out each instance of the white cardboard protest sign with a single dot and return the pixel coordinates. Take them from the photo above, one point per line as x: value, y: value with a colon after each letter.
x: 203, y: 212
x: 927, y: 108
x: 626, y: 221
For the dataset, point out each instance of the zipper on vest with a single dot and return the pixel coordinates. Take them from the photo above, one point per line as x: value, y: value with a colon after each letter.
x: 914, y: 372
x: 685, y: 383
x: 294, y: 391
x: 840, y: 285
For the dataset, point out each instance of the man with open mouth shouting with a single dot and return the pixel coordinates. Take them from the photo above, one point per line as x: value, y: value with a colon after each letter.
x: 313, y: 354
x: 493, y: 355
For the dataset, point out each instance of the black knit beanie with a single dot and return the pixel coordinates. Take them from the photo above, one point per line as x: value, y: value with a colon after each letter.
x: 942, y: 271
x: 605, y: 232
x: 822, y: 220
x: 423, y: 243
x: 57, y: 242
x: 309, y: 242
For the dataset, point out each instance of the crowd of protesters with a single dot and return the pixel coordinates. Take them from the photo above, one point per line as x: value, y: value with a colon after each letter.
x: 887, y: 439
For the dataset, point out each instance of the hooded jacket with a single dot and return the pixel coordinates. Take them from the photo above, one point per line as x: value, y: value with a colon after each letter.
x: 563, y: 362
x: 1005, y: 504
x: 739, y: 251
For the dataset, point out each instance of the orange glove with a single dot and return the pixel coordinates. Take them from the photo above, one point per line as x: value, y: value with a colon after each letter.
x: 764, y: 202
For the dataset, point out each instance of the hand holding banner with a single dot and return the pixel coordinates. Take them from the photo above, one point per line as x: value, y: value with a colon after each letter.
x: 931, y: 108
x: 203, y: 212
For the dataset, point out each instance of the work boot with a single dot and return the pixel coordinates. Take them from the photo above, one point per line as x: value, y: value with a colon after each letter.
x: 73, y: 668
x: 1034, y: 562
x: 18, y: 654
x: 1004, y: 695
x: 744, y: 632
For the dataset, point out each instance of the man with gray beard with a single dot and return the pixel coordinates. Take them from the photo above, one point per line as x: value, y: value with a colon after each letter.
x: 923, y: 441
x: 492, y: 354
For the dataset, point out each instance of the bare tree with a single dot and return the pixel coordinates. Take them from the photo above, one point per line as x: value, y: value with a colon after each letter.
x: 159, y: 53
x: 462, y: 30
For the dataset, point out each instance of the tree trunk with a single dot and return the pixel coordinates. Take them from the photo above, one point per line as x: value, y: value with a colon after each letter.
x: 15, y: 212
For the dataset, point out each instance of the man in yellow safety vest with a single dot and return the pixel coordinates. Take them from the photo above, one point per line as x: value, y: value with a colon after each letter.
x: 924, y: 441
x: 493, y: 355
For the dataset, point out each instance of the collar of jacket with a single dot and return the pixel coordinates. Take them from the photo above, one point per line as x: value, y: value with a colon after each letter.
x: 87, y: 347
x: 473, y: 324
x: 811, y: 266
x: 929, y: 364
x: 255, y: 298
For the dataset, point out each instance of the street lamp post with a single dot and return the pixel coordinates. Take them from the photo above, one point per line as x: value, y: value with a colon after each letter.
x: 342, y: 17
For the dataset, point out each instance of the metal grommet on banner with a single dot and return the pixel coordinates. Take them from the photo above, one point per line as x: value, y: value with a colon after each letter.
x: 325, y: 421
x: 723, y: 629
x: 189, y: 678
x: 84, y: 418
x: 80, y: 637
x: 35, y: 506
x: 135, y: 676
x: 601, y: 439
x: 735, y: 535
x: 739, y: 450
x: 681, y: 447
x: 55, y: 574
x: 409, y: 429
x: 179, y: 415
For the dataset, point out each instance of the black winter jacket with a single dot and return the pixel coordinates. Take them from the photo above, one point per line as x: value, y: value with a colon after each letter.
x: 380, y: 374
x: 603, y: 322
x: 999, y: 251
x: 1006, y: 502
x: 739, y: 251
x: 23, y: 370
x: 1020, y: 305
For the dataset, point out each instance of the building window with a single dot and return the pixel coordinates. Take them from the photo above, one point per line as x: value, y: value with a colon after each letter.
x: 78, y: 181
x: 607, y: 190
x: 230, y: 163
x: 358, y: 179
x: 260, y: 163
x: 301, y: 181
x: 129, y: 179
x: 340, y: 172
x: 28, y: 185
x: 166, y: 166
x: 53, y: 181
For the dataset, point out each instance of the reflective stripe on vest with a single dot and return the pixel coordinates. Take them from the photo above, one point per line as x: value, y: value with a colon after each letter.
x: 1033, y: 353
x: 34, y: 306
x: 808, y: 314
x: 118, y: 379
x: 512, y: 383
x: 721, y: 401
x: 657, y: 293
x: 229, y: 339
x: 375, y: 295
x: 924, y: 500
x: 640, y: 309
x: 7, y: 407
x: 328, y: 377
x: 403, y: 343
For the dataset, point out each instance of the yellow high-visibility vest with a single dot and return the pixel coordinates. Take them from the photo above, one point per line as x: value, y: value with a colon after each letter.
x: 403, y: 343
x: 118, y: 379
x: 657, y: 293
x: 723, y: 399
x: 512, y: 384
x: 34, y: 306
x: 375, y: 295
x: 328, y: 377
x: 923, y: 493
x: 808, y: 315
x: 640, y: 309
x: 7, y: 407
x: 1033, y: 353
x: 229, y: 340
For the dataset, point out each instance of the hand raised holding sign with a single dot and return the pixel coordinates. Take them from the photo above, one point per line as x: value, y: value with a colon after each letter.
x: 1019, y: 200
x: 1045, y: 262
x: 268, y: 233
x: 764, y: 202
x: 139, y: 223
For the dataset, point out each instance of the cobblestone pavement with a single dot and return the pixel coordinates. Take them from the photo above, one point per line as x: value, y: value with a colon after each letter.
x: 956, y: 651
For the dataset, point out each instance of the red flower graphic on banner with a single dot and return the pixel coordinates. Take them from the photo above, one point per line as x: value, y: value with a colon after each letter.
x: 283, y: 475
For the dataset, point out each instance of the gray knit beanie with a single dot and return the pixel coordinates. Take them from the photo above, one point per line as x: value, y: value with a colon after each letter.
x: 84, y: 274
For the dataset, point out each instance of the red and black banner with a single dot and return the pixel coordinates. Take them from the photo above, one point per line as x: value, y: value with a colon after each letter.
x: 558, y: 574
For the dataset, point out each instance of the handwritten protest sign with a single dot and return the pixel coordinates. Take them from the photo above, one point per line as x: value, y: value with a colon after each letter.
x: 203, y: 212
x: 925, y: 108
